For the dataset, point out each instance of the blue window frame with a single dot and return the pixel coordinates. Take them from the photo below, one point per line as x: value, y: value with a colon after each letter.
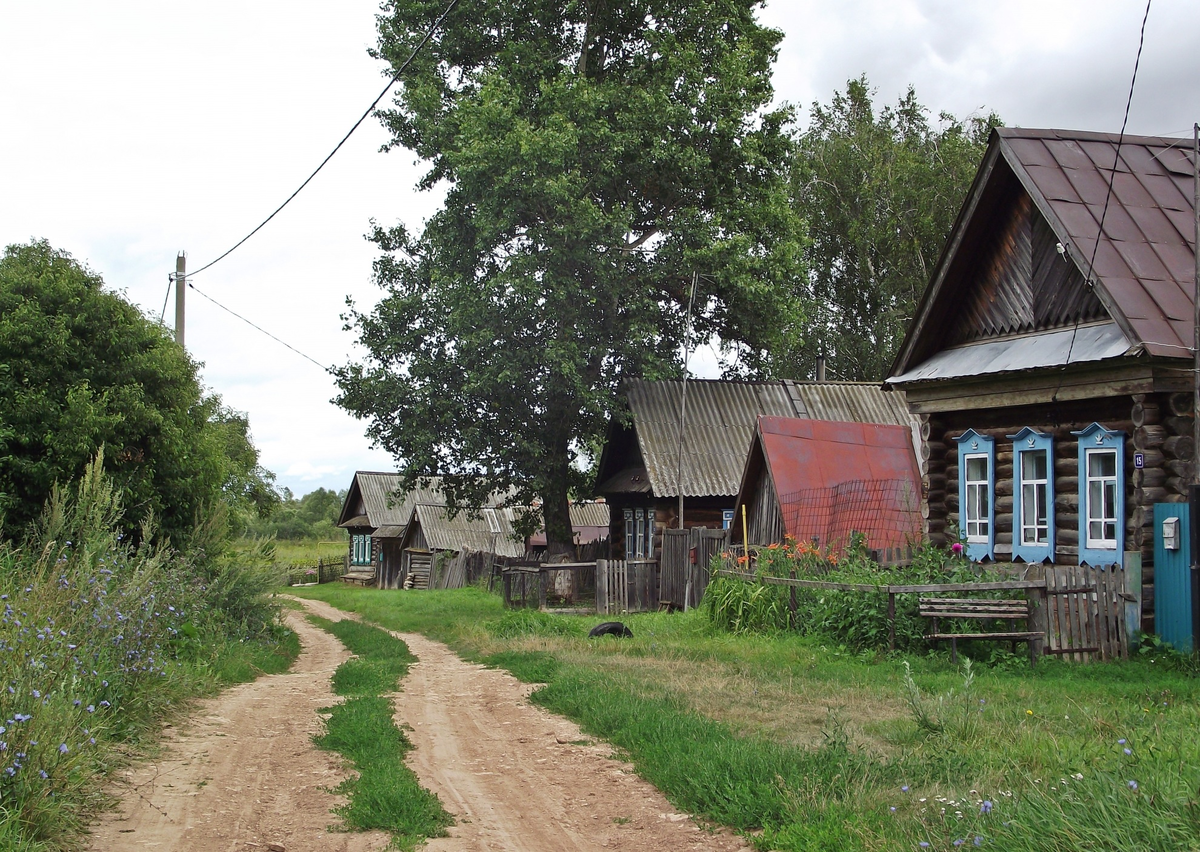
x: 629, y: 534
x: 360, y: 549
x: 977, y: 494
x: 1033, y: 496
x: 726, y: 518
x: 1101, y: 495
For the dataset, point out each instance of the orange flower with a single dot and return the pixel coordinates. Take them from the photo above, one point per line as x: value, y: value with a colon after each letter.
x: 742, y: 560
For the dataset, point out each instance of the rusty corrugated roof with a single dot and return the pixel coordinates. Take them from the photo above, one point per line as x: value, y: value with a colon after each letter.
x: 491, y: 532
x: 1146, y: 258
x: 720, y: 423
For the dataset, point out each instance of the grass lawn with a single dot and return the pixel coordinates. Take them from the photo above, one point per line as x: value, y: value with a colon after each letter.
x: 805, y: 746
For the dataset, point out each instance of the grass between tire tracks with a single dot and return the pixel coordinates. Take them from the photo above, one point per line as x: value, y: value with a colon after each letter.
x: 805, y: 745
x: 386, y: 794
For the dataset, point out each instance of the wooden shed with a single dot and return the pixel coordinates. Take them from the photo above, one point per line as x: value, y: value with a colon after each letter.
x: 640, y: 473
x: 375, y: 514
x: 431, y: 533
x: 1050, y: 361
x: 825, y: 481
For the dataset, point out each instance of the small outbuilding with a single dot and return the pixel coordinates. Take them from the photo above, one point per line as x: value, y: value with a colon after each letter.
x: 823, y: 481
x: 432, y: 536
x: 648, y: 460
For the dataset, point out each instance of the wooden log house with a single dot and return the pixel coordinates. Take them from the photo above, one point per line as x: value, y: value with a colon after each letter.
x: 642, y: 473
x: 1049, y: 361
x: 375, y: 513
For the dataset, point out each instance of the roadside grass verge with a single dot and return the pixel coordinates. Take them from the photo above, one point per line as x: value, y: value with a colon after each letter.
x: 101, y: 642
x: 386, y: 794
x: 805, y: 744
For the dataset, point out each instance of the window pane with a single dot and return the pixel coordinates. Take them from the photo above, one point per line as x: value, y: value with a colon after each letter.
x: 1033, y: 465
x: 977, y: 469
x: 1102, y: 464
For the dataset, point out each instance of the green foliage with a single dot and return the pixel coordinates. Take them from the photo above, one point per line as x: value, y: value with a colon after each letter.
x: 102, y: 638
x: 857, y: 619
x: 594, y: 156
x: 313, y: 516
x: 880, y: 190
x: 531, y: 622
x: 385, y: 795
x: 80, y: 369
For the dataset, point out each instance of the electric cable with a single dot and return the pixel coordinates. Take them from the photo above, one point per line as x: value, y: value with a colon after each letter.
x: 259, y: 328
x: 1107, y: 196
x: 395, y: 77
x: 162, y: 315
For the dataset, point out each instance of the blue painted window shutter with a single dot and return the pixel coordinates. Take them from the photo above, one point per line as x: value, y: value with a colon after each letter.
x: 977, y: 494
x: 1033, y: 496
x: 1101, y: 495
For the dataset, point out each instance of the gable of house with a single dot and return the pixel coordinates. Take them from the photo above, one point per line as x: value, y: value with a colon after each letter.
x: 1026, y: 279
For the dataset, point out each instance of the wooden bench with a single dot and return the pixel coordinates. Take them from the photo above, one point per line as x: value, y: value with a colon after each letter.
x: 363, y: 578
x: 981, y: 609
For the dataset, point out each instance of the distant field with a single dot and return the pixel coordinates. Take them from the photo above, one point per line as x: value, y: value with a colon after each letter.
x: 292, y: 552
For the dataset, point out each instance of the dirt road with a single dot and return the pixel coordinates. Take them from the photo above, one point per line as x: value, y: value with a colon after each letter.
x: 246, y: 774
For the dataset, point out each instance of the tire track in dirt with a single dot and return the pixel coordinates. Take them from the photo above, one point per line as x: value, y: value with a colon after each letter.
x: 509, y: 773
x: 243, y: 773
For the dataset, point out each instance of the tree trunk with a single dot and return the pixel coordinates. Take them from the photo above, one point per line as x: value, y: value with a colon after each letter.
x: 556, y: 503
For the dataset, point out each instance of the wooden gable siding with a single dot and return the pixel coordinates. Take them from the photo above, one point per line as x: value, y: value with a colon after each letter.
x: 765, y: 521
x: 1018, y: 282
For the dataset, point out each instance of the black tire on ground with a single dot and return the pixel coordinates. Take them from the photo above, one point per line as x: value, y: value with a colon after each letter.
x: 610, y: 628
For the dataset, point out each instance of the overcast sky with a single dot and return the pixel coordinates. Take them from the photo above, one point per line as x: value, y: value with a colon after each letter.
x: 131, y: 131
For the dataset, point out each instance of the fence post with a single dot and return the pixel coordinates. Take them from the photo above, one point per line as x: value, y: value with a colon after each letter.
x: 793, y: 604
x: 601, y: 586
x: 891, y: 619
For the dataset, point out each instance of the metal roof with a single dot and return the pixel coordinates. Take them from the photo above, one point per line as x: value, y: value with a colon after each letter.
x: 1144, y: 273
x: 1146, y: 258
x: 808, y: 460
x: 383, y: 506
x: 720, y: 423
x: 1089, y: 343
x: 492, y: 532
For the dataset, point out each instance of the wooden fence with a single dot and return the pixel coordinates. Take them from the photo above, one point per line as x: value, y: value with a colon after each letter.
x: 316, y: 571
x: 1085, y: 613
x: 686, y: 556
x: 1081, y: 609
x: 619, y: 586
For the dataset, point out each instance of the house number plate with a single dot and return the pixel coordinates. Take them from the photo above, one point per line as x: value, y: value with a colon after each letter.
x: 1139, y: 460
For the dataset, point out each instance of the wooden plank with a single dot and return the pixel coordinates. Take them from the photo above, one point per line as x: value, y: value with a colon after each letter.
x: 601, y: 586
x: 1054, y: 609
x: 1078, y: 621
x: 1102, y: 607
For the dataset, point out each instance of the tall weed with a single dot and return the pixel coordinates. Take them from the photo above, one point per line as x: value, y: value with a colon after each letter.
x: 99, y: 637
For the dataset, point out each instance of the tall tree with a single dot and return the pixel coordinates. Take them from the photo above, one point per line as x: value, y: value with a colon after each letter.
x: 880, y: 191
x: 595, y: 156
x: 81, y: 369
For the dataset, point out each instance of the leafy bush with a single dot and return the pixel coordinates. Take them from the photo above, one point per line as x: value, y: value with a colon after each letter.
x: 98, y: 638
x: 858, y: 619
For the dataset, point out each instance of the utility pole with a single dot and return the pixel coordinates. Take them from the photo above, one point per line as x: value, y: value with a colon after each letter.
x: 180, y: 290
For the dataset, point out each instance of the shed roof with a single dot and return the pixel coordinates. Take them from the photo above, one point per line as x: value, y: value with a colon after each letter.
x: 491, y: 532
x: 384, y: 509
x: 1145, y: 261
x: 589, y: 522
x: 828, y: 475
x: 720, y: 422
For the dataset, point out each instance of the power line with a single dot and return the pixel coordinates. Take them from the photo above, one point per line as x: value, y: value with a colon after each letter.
x: 259, y: 328
x: 428, y: 35
x: 162, y: 315
x: 1108, y: 193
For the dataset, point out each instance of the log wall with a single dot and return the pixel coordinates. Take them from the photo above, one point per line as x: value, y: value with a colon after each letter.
x: 1158, y: 426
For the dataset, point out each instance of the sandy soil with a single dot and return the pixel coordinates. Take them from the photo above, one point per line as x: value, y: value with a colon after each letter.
x: 243, y: 773
x: 247, y: 776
